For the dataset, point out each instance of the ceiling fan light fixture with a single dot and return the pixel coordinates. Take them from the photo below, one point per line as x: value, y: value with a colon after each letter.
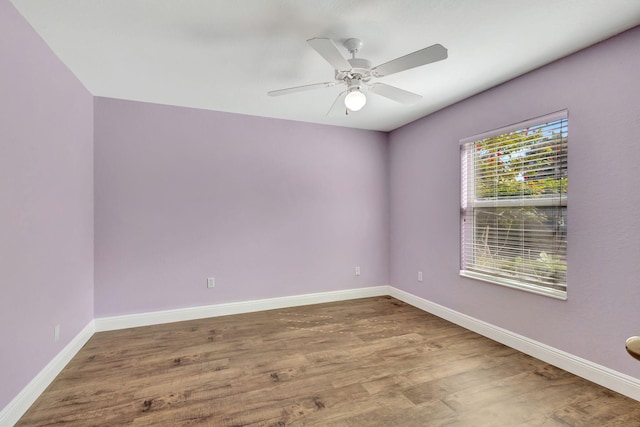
x: 358, y: 72
x: 355, y: 100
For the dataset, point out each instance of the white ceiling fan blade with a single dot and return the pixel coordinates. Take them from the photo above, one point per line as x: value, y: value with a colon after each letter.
x: 395, y: 94
x: 425, y: 56
x: 329, y: 51
x: 300, y: 88
x: 338, y: 104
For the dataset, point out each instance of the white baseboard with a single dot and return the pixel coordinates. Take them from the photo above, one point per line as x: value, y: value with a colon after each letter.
x: 192, y: 313
x: 622, y: 383
x: 23, y: 401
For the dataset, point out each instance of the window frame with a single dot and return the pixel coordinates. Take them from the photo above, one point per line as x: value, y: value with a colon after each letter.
x: 467, y: 206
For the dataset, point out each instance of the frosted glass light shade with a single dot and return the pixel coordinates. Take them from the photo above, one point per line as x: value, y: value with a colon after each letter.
x: 355, y: 100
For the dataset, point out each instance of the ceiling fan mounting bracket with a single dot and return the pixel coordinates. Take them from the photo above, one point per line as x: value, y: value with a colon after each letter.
x: 353, y: 45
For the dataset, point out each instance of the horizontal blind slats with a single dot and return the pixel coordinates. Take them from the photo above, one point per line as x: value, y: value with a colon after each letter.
x: 535, y: 122
x: 513, y: 202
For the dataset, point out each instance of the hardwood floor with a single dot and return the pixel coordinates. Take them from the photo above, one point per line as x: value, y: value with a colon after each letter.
x: 368, y: 362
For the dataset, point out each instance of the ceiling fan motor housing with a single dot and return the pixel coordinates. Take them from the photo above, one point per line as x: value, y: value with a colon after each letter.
x: 360, y: 69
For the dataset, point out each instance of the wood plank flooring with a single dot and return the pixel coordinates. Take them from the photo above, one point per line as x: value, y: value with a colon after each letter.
x: 368, y: 362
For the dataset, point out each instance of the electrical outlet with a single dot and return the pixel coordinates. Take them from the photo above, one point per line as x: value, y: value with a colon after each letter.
x: 357, y: 270
x: 211, y: 282
x: 419, y: 276
x: 56, y: 333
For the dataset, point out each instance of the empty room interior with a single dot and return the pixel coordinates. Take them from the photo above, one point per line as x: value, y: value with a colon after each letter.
x: 342, y: 213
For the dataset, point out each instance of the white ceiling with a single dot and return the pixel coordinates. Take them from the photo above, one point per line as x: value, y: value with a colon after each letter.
x: 225, y: 55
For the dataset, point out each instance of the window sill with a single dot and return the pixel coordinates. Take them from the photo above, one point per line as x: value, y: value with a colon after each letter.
x: 553, y: 293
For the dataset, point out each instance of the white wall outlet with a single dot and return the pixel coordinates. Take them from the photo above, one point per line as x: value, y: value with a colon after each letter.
x: 211, y: 282
x: 419, y: 276
x: 56, y: 333
x: 357, y: 270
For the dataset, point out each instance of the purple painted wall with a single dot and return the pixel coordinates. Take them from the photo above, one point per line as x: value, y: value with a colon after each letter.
x: 46, y: 204
x: 268, y: 207
x: 601, y: 89
x: 276, y: 208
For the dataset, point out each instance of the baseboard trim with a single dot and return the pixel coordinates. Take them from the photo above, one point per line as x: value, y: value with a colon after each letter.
x: 621, y: 383
x: 616, y: 381
x: 23, y: 401
x: 192, y: 313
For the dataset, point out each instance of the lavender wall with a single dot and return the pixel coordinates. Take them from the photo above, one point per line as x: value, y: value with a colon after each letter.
x: 268, y: 207
x: 276, y: 208
x: 46, y: 204
x: 601, y: 90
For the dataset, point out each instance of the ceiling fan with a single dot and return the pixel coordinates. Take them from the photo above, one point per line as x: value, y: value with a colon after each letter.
x: 357, y: 73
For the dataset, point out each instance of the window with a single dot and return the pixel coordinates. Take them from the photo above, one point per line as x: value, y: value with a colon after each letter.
x: 514, y: 206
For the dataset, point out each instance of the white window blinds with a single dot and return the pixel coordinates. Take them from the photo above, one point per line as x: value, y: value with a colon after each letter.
x: 514, y: 205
